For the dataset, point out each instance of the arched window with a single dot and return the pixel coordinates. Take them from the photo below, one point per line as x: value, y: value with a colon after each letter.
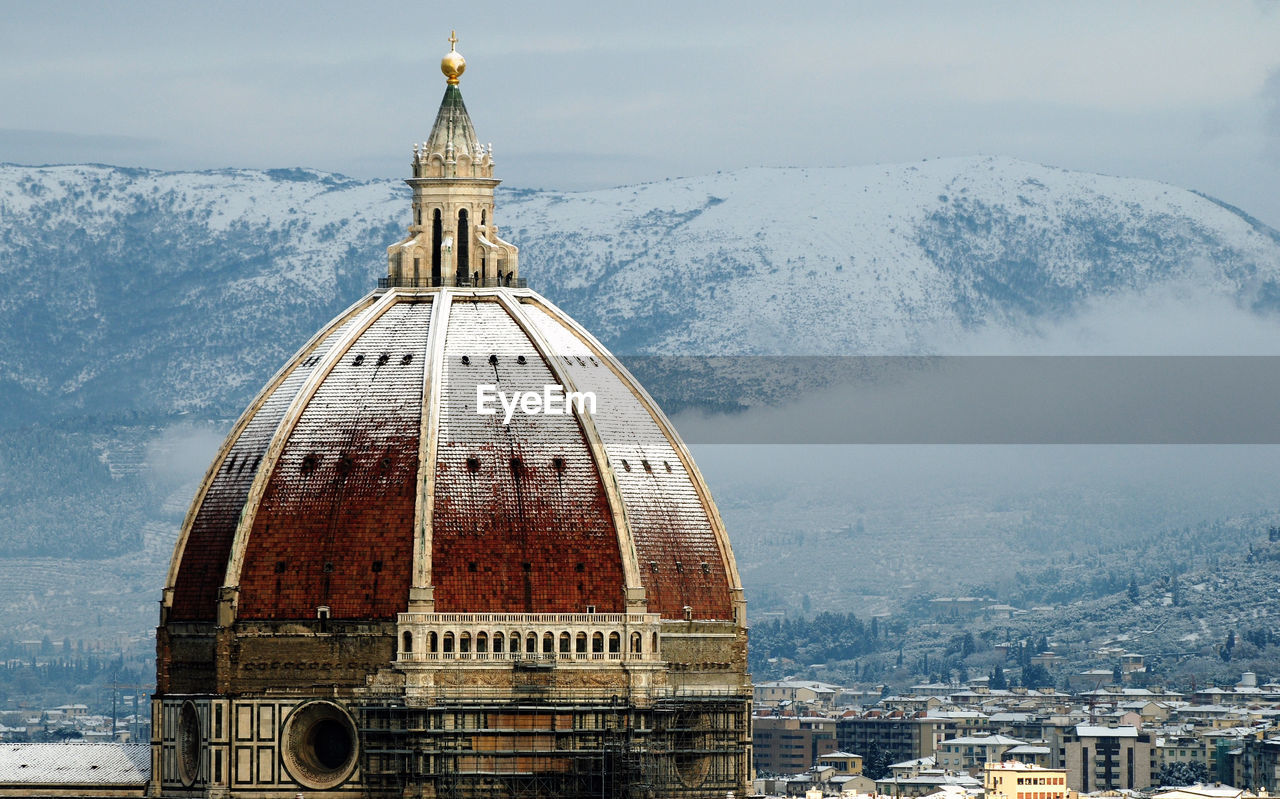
x: 448, y: 643
x: 499, y: 643
x: 581, y: 642
x: 407, y: 644
x: 653, y: 645
x: 432, y: 642
x: 482, y: 642
x: 548, y: 644
x: 635, y: 643
x: 564, y: 643
x: 515, y: 642
x: 597, y: 643
x: 615, y: 643
x: 463, y: 246
x: 437, y: 235
x: 483, y: 223
x: 464, y: 643
x: 417, y: 217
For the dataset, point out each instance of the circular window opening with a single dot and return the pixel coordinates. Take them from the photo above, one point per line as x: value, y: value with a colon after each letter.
x: 689, y: 746
x: 320, y: 745
x: 188, y: 743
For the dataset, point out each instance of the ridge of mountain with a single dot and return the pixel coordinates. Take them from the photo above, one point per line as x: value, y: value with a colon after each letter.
x: 190, y: 288
x: 134, y: 302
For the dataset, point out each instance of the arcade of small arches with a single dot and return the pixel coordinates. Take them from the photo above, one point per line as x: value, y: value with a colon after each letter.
x: 604, y: 636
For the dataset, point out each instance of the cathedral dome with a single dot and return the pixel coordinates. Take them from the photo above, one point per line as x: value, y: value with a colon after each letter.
x: 364, y: 479
x: 452, y: 548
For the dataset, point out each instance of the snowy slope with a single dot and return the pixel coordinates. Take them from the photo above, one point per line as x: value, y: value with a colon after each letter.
x: 874, y: 259
x: 130, y: 296
x: 194, y: 286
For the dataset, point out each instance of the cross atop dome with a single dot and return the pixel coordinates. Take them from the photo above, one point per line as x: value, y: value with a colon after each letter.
x: 452, y: 240
x: 453, y: 64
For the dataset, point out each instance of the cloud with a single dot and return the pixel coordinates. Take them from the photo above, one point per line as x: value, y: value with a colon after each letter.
x: 1181, y: 363
x: 1271, y: 100
x: 23, y: 146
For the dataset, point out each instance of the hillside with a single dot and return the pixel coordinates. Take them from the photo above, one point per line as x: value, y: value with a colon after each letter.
x: 142, y: 309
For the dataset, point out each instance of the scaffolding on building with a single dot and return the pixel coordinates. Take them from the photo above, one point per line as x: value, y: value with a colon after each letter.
x: 520, y: 749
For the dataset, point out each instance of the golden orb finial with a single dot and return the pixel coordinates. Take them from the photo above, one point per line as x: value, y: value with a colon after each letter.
x: 453, y: 64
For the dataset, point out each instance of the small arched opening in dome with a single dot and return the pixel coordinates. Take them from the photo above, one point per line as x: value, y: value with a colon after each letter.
x: 580, y: 644
x: 514, y: 638
x: 653, y: 645
x: 548, y: 644
x: 597, y: 643
x: 635, y: 643
x: 482, y: 642
x: 448, y: 643
x: 564, y: 643
x: 499, y: 643
x: 433, y: 643
x: 615, y: 644
x: 437, y: 233
x: 406, y: 644
x: 464, y: 643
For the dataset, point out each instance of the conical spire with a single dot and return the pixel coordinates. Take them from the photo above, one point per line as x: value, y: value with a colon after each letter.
x: 453, y: 150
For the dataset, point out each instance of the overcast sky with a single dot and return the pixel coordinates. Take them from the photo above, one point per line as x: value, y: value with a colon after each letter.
x: 581, y: 95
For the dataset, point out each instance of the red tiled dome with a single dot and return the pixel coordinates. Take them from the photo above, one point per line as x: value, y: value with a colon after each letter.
x: 362, y: 475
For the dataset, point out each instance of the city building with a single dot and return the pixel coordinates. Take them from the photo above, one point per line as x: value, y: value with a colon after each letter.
x: 74, y: 770
x: 898, y: 737
x: 846, y: 764
x: 1099, y: 758
x: 789, y: 744
x: 970, y: 753
x: 926, y: 782
x: 382, y: 590
x: 807, y: 692
x: 1012, y: 779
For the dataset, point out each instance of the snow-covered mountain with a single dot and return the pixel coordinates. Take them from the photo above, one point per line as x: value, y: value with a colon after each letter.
x: 129, y: 297
x: 129, y: 290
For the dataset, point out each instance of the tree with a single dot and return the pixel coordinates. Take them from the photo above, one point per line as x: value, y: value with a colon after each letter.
x: 1133, y: 589
x: 1179, y: 774
x: 1036, y: 676
x: 998, y: 681
x: 875, y: 762
x: 1225, y: 651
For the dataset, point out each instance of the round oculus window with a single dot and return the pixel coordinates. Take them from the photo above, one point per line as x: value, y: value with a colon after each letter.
x: 320, y: 745
x: 188, y: 743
